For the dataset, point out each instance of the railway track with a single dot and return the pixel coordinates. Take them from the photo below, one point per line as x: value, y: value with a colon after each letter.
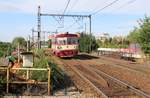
x: 115, y: 89
x: 137, y: 67
x: 80, y: 70
x: 83, y: 83
x: 131, y: 76
x: 133, y: 89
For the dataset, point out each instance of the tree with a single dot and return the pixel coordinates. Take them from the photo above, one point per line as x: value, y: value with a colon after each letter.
x: 94, y: 44
x: 49, y: 43
x: 4, y: 48
x: 144, y: 37
x: 133, y: 37
x: 114, y: 42
x: 19, y: 40
x: 87, y: 42
x: 141, y: 35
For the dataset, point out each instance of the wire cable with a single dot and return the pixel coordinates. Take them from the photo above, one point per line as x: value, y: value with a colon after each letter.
x: 126, y: 4
x: 99, y: 10
x: 74, y: 4
x: 66, y: 6
x: 70, y: 26
x: 97, y: 6
x: 77, y: 21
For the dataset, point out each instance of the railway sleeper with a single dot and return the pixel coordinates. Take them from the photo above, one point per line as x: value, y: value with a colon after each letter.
x: 100, y: 79
x: 87, y: 86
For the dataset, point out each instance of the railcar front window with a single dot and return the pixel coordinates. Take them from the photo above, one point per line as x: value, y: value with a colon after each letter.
x: 69, y: 41
x: 72, y: 41
x: 62, y: 42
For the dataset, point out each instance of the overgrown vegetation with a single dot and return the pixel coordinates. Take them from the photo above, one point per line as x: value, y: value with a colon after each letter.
x: 42, y: 61
x: 19, y: 40
x: 2, y: 86
x: 141, y: 34
x: 57, y: 76
x: 5, y: 48
x: 49, y: 43
x: 87, y: 43
x: 114, y: 42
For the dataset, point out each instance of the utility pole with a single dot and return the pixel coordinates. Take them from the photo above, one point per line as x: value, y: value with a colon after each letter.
x: 33, y: 36
x: 39, y: 27
x: 28, y: 43
x: 90, y: 29
x: 18, y: 52
x: 90, y: 23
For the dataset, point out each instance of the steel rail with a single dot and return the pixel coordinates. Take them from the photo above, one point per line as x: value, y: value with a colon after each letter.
x: 138, y: 92
x: 99, y: 92
x: 124, y: 65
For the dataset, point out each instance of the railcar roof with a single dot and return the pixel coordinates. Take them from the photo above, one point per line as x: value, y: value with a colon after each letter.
x: 66, y: 35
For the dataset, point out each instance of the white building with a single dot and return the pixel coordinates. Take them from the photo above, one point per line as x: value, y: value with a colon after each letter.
x: 102, y: 37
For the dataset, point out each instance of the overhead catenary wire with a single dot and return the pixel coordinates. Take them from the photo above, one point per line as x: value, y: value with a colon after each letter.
x: 74, y: 4
x: 61, y: 18
x: 70, y: 26
x: 59, y: 21
x: 126, y: 4
x: 99, y: 10
x: 66, y: 6
x: 77, y: 21
x: 97, y: 6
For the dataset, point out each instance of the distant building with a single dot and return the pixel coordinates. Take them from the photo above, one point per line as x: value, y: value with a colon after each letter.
x: 103, y: 37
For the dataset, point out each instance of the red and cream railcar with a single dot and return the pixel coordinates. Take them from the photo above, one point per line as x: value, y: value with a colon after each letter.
x: 65, y: 45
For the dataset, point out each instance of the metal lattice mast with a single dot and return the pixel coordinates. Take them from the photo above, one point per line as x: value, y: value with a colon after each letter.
x: 39, y: 27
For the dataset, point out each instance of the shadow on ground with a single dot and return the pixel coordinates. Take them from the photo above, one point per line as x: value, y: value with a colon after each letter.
x: 85, y: 57
x: 81, y: 57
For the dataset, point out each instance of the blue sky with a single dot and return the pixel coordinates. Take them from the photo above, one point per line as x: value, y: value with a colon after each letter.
x: 18, y: 17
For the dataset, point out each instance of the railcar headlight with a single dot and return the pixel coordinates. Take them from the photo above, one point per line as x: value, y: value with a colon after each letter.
x: 59, y: 47
x: 76, y: 47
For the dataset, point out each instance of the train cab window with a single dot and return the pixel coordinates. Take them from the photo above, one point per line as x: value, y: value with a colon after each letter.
x: 69, y: 41
x: 74, y: 41
x: 62, y: 41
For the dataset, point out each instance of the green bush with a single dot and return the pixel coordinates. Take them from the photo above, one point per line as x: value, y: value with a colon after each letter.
x: 87, y: 43
x: 42, y: 61
x: 57, y: 75
x: 2, y: 81
x: 1, y: 53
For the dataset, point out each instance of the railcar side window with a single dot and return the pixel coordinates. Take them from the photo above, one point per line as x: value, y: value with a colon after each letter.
x: 64, y: 42
x: 53, y: 40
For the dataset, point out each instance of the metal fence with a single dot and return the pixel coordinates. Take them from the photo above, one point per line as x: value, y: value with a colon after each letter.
x: 27, y: 70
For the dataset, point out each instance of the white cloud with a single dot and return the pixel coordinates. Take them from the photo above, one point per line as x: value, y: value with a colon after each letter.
x: 5, y: 7
x: 57, y: 6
